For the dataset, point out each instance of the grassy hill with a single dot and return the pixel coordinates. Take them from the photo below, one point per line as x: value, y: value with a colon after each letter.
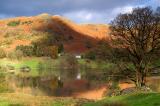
x: 74, y: 37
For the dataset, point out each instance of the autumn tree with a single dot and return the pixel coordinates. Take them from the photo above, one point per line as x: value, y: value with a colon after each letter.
x: 138, y: 35
x: 53, y: 51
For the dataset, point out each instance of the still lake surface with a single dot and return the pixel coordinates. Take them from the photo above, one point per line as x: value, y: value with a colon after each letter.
x: 65, y: 84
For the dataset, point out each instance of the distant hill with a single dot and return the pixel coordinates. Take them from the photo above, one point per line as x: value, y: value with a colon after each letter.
x: 75, y: 37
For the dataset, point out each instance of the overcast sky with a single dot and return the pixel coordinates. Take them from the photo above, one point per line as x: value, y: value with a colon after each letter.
x: 80, y: 11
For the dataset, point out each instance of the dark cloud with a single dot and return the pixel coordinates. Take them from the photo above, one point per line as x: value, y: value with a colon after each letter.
x: 23, y: 7
x: 67, y: 7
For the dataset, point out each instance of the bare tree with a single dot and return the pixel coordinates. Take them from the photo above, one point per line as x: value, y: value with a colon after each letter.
x: 138, y: 34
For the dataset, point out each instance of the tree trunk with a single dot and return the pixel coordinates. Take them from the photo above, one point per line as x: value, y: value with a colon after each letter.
x: 138, y: 82
x: 143, y: 79
x: 140, y: 78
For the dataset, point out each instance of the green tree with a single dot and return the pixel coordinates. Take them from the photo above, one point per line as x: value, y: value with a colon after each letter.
x: 13, y: 23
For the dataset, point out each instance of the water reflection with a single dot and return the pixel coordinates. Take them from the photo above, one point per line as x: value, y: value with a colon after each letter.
x: 65, y: 84
x: 56, y: 83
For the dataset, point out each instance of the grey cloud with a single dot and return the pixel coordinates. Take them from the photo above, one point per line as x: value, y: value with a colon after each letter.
x: 99, y: 8
x: 29, y: 7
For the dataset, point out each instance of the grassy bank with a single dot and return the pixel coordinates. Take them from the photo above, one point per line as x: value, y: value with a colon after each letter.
x: 146, y: 99
x: 33, y: 63
x: 19, y: 99
x: 13, y: 99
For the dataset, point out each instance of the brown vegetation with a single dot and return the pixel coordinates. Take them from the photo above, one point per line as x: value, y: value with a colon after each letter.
x: 24, y: 30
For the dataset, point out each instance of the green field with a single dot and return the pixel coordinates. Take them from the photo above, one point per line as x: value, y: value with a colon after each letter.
x: 143, y: 99
x: 33, y: 63
x: 30, y: 62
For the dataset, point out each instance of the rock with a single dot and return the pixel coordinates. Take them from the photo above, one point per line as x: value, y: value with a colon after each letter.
x: 146, y: 89
x: 25, y: 69
x: 128, y: 90
x: 113, y: 92
x: 134, y: 90
x: 11, y: 71
x: 9, y: 67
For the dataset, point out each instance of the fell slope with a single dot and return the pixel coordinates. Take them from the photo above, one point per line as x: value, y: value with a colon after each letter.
x: 74, y: 37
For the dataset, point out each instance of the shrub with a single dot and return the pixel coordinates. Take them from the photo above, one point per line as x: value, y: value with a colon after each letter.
x: 13, y: 23
x: 26, y: 50
x: 15, y: 55
x: 114, y: 89
x: 70, y: 37
x: 27, y: 22
x: 60, y: 48
x: 19, y: 54
x: 90, y: 55
x: 41, y: 50
x: 38, y: 52
x: 88, y: 44
x: 6, y: 42
x: 11, y: 55
x: 4, y: 87
x: 2, y: 53
x: 51, y: 51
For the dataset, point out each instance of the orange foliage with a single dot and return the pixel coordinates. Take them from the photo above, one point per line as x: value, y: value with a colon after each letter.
x: 81, y: 33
